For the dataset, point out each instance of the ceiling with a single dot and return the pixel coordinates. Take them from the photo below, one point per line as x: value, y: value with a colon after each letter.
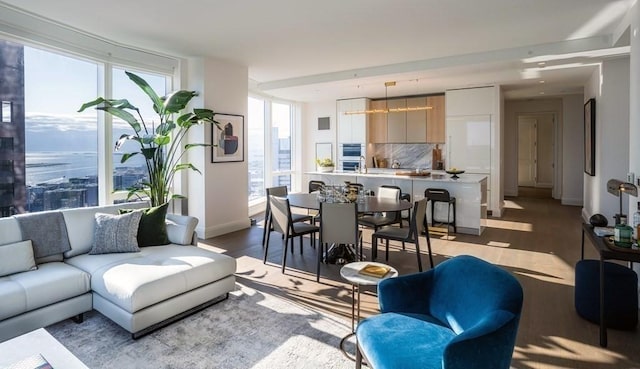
x: 309, y: 50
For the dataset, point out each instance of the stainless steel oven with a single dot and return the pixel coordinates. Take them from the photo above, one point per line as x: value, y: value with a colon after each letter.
x: 349, y: 165
x: 351, y: 150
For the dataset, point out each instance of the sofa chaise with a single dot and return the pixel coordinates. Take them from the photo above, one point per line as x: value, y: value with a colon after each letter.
x: 140, y: 291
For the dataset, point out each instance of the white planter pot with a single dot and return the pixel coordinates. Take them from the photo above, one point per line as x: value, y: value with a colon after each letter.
x: 325, y: 169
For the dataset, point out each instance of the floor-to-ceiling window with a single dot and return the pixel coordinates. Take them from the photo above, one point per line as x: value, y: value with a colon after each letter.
x: 49, y: 153
x: 255, y: 149
x: 271, y: 159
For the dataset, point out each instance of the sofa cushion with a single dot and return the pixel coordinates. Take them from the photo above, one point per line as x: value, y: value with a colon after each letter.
x: 181, y: 228
x: 136, y: 281
x: 81, y: 225
x: 9, y: 230
x: 47, y: 232
x: 153, y: 228
x: 50, y: 283
x: 116, y: 233
x: 16, y: 257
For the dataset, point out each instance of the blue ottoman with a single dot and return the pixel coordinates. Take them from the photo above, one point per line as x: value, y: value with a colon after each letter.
x: 620, y: 292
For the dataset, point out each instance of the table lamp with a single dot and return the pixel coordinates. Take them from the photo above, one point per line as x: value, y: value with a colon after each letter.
x: 616, y: 188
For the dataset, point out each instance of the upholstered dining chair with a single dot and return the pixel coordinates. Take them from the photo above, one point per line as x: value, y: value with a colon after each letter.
x: 315, y: 185
x: 282, y: 222
x: 280, y: 191
x: 410, y: 235
x: 463, y: 314
x: 339, y: 225
x: 377, y: 221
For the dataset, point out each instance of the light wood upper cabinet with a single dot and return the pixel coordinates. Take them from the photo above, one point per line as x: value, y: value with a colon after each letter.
x: 436, y: 119
x: 378, y: 123
x: 397, y: 122
x: 417, y: 121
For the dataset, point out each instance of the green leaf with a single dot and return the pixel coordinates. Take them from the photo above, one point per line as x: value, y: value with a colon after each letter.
x: 176, y: 196
x: 149, y: 152
x: 124, y: 115
x: 144, y: 86
x: 179, y: 167
x: 178, y: 100
x: 128, y: 156
x: 95, y: 102
x: 161, y: 140
x: 204, y: 114
x: 165, y: 128
x: 124, y: 138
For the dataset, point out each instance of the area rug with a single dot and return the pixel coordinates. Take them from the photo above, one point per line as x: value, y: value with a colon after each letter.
x: 249, y: 330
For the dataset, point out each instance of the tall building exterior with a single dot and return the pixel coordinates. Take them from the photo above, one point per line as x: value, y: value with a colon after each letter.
x: 12, y: 130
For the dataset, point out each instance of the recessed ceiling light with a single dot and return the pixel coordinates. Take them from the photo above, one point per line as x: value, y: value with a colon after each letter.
x: 542, y: 64
x: 541, y: 81
x: 542, y: 93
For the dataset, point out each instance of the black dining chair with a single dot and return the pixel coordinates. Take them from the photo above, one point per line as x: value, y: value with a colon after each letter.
x: 410, y: 235
x: 279, y: 191
x: 379, y: 220
x: 315, y: 185
x: 282, y: 221
x: 339, y: 226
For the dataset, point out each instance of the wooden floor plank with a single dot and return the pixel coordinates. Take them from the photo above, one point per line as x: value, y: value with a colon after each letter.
x: 538, y: 240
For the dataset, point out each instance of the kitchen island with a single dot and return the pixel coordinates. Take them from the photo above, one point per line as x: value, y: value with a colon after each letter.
x: 470, y: 191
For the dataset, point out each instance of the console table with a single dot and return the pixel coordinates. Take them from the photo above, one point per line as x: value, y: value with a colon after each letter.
x: 606, y: 253
x: 38, y: 342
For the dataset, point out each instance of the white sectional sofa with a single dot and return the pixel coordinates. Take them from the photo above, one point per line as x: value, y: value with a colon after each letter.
x: 140, y: 291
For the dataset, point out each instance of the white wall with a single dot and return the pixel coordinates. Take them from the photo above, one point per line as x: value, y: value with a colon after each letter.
x: 218, y: 197
x: 610, y: 87
x: 311, y: 135
x: 573, y: 150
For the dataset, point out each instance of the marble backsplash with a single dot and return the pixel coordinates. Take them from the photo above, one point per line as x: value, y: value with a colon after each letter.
x: 410, y: 156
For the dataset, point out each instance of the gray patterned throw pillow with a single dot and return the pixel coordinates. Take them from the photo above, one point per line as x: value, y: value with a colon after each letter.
x: 116, y: 233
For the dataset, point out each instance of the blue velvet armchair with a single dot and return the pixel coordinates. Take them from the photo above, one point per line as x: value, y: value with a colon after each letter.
x: 462, y: 314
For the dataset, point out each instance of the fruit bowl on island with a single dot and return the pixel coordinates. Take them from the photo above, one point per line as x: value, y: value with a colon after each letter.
x: 454, y: 172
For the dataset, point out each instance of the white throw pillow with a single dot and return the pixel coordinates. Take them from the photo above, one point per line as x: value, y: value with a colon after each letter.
x: 16, y: 257
x: 116, y: 233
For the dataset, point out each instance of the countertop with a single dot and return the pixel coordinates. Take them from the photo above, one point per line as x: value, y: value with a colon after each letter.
x: 436, y: 176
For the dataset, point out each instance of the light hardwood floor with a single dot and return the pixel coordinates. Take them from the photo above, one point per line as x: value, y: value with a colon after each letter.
x: 538, y: 240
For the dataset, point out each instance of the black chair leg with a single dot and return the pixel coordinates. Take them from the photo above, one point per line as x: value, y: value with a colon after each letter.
x: 284, y: 251
x: 455, y: 228
x: 318, y: 263
x: 266, y: 244
x: 301, y: 239
x: 429, y: 248
x: 374, y: 248
x: 418, y: 255
x: 386, y: 257
x: 266, y: 226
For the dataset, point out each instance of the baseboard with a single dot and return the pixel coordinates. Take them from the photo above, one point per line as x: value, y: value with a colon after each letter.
x: 585, y: 216
x: 221, y: 229
x: 571, y: 201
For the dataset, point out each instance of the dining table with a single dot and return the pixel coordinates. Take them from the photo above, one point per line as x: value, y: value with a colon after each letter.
x: 342, y: 254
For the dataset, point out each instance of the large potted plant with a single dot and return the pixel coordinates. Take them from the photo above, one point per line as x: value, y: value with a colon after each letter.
x: 159, y: 143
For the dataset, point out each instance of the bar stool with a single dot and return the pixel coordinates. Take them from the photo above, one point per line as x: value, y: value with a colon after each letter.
x: 441, y: 195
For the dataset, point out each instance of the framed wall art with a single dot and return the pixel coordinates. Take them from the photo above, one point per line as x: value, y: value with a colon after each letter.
x: 590, y: 137
x: 228, y: 139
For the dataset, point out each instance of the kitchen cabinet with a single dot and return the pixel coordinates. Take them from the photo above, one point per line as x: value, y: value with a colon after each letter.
x: 435, y: 119
x: 416, y: 127
x: 397, y: 122
x: 378, y: 122
x: 352, y: 128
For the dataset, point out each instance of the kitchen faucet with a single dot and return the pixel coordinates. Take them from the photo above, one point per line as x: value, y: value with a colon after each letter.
x: 362, y: 163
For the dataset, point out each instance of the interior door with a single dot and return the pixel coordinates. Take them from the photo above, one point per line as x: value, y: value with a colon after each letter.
x: 545, y: 149
x: 527, y: 151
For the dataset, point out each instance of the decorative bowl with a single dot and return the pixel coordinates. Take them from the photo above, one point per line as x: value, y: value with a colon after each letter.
x: 326, y: 169
x: 454, y: 173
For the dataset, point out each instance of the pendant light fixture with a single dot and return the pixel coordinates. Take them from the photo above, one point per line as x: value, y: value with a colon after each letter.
x: 386, y: 109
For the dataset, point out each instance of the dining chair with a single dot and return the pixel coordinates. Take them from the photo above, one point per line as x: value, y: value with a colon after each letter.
x: 279, y: 191
x: 282, y: 221
x: 405, y: 214
x: 379, y: 220
x: 410, y: 235
x: 339, y: 226
x: 315, y: 185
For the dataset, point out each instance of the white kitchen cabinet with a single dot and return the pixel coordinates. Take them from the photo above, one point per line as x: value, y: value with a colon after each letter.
x: 352, y: 128
x: 416, y: 120
x: 397, y: 122
x: 469, y: 143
